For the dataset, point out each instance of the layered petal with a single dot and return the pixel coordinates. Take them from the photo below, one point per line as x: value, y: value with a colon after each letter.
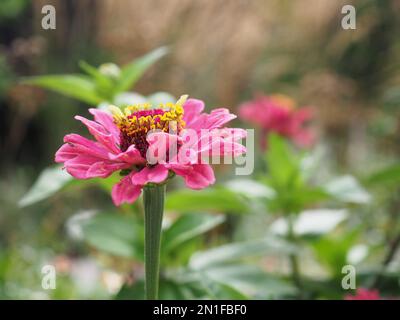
x: 125, y: 191
x: 162, y: 147
x: 220, y: 142
x: 84, y: 159
x: 85, y: 166
x: 156, y: 174
x: 106, y: 120
x: 101, y: 134
x: 216, y: 119
x: 175, y: 151
x: 192, y: 109
x: 131, y: 156
x: 197, y: 176
x: 76, y: 144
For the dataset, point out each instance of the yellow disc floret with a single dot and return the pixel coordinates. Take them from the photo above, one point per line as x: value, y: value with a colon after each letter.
x: 135, y: 121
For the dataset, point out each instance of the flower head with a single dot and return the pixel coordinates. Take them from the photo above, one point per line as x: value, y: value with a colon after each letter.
x: 278, y: 114
x: 149, y: 145
x: 364, y: 294
x: 138, y: 120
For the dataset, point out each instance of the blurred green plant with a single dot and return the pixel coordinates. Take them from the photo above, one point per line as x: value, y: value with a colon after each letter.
x: 6, y: 75
x: 307, y: 217
x: 106, y: 83
x: 10, y: 9
x: 188, y: 270
x: 286, y: 191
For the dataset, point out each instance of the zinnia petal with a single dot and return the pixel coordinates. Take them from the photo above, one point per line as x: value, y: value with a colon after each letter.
x: 131, y: 156
x: 216, y: 119
x: 155, y: 174
x: 106, y: 120
x: 125, y: 192
x: 81, y: 145
x: 101, y: 134
x: 192, y: 109
x: 85, y: 167
x: 197, y: 176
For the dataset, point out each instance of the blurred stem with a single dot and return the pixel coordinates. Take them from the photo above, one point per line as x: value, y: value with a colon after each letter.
x: 293, y: 258
x: 394, y: 245
x: 153, y: 198
x: 393, y: 238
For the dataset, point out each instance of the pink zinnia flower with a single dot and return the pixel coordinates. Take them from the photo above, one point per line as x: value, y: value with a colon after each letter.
x: 123, y: 140
x: 278, y: 114
x: 364, y: 294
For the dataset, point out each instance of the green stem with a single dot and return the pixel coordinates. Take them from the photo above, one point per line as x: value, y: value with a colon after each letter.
x: 153, y: 198
x: 294, y: 263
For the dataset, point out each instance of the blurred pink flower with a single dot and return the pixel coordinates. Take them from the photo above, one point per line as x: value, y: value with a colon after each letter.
x: 122, y: 143
x: 364, y: 294
x: 278, y: 114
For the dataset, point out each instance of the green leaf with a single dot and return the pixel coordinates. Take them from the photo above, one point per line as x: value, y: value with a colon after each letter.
x: 222, y: 291
x: 385, y: 176
x: 75, y: 86
x: 333, y: 250
x: 132, y: 292
x: 104, y: 84
x: 214, y: 199
x: 306, y: 195
x: 10, y: 9
x: 347, y: 189
x: 187, y: 227
x: 92, y: 71
x: 134, y: 70
x: 169, y: 290
x: 295, y: 200
x: 115, y: 234
x: 237, y: 251
x: 249, y: 280
x: 283, y: 164
x: 48, y: 183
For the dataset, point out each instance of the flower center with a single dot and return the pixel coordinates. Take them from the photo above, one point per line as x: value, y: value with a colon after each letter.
x: 136, y: 121
x: 283, y: 101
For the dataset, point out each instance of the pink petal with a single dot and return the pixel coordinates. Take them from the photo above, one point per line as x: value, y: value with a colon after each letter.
x: 82, y: 145
x: 101, y: 134
x: 235, y: 133
x: 85, y: 159
x: 131, y: 156
x: 220, y: 142
x: 162, y: 146
x: 196, y: 176
x: 192, y: 109
x: 65, y: 153
x: 155, y: 174
x: 104, y: 169
x: 85, y: 167
x: 125, y: 192
x: 216, y: 119
x: 106, y: 120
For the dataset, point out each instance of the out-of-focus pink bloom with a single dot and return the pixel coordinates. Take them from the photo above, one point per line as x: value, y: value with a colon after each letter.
x: 364, y: 294
x: 122, y: 142
x: 278, y: 114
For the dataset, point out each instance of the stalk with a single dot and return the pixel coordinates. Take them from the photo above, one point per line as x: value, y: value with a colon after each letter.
x: 293, y: 258
x: 153, y: 198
